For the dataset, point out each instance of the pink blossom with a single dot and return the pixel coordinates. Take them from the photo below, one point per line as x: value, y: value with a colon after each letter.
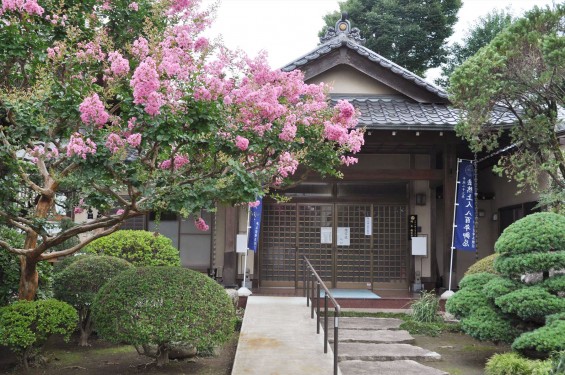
x: 145, y: 83
x: 287, y: 164
x: 134, y: 140
x: 133, y: 6
x: 177, y: 162
x: 140, y: 48
x: 92, y: 111
x: 78, y: 210
x: 131, y: 123
x: 114, y: 142
x: 348, y: 160
x: 241, y: 142
x: 201, y: 225
x: 120, y: 211
x: 80, y: 147
x: 90, y: 50
x: 28, y: 6
x: 106, y: 6
x: 119, y: 65
x: 253, y: 204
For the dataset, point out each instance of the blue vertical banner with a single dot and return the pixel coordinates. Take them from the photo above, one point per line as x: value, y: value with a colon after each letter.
x: 464, y: 226
x: 254, y: 225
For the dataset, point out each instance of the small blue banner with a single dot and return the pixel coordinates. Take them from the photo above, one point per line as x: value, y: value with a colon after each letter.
x: 254, y: 225
x: 464, y: 226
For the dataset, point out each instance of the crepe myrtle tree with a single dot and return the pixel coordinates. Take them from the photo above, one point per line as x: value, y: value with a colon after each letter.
x: 122, y: 104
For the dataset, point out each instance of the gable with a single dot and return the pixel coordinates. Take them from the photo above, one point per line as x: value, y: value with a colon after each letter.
x: 346, y: 80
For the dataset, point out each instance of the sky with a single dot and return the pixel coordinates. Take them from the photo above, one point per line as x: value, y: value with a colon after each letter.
x: 288, y: 29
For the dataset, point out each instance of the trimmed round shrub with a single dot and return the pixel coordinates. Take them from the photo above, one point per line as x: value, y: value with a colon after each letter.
x: 26, y: 325
x: 542, y: 341
x: 164, y: 307
x: 476, y: 281
x: 539, y: 232
x: 531, y: 303
x: 10, y: 269
x: 140, y: 248
x: 517, y: 265
x: 550, y: 319
x: 514, y: 364
x: 500, y: 286
x: 78, y: 284
x: 63, y: 263
x: 554, y: 284
x: 488, y: 324
x: 464, y: 302
x: 485, y: 265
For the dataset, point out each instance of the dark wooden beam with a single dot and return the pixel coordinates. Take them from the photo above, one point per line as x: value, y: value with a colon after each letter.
x: 385, y: 175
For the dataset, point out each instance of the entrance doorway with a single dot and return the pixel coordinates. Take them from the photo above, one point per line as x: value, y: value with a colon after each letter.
x: 332, y: 236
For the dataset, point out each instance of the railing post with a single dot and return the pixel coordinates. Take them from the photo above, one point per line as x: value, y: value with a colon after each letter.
x: 336, y: 338
x: 304, y: 278
x: 318, y: 307
x: 312, y: 299
x: 325, y: 322
x: 307, y: 290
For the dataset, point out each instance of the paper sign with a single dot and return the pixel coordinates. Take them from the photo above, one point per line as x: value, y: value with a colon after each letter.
x: 241, y: 243
x: 343, y: 236
x: 368, y: 226
x: 326, y: 235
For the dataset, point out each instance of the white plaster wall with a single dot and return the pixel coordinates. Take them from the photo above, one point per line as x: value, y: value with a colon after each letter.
x: 344, y: 79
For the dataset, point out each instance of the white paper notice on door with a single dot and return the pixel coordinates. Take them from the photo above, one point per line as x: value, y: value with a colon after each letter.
x: 326, y: 235
x: 343, y: 236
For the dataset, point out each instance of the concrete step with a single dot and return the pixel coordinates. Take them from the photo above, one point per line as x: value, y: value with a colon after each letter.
x: 383, y: 336
x: 402, y: 367
x: 374, y: 324
x: 348, y: 351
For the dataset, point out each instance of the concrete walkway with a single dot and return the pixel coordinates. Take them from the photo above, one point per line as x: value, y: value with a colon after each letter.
x: 279, y: 338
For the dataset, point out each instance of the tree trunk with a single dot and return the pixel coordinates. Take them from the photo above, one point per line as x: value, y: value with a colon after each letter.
x: 162, y: 355
x: 29, y: 278
x: 85, y: 330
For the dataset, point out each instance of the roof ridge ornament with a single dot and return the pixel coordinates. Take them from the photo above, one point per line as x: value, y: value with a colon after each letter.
x: 343, y: 27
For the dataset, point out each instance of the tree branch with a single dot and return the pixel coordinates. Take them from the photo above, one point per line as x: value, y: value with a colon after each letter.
x: 79, y: 246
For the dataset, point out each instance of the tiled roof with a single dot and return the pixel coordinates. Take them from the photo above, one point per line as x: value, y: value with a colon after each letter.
x: 398, y: 113
x: 342, y: 40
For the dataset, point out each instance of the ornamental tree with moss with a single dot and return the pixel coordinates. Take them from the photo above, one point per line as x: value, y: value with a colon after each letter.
x: 124, y: 105
x: 521, y: 71
x: 163, y: 307
x: 523, y: 302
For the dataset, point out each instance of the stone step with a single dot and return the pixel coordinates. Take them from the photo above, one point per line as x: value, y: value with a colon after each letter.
x: 349, y: 351
x: 380, y: 336
x: 402, y: 367
x: 364, y: 323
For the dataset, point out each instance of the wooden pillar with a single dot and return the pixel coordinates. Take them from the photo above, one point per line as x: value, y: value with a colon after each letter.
x: 230, y: 256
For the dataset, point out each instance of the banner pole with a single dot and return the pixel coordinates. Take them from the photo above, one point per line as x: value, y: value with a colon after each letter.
x: 450, y: 292
x: 247, y: 249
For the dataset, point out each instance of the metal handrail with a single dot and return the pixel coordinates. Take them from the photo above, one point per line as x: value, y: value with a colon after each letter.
x: 310, y: 296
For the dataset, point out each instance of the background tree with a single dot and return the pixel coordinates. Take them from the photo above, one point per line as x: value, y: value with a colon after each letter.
x: 521, y: 71
x: 125, y: 105
x: 522, y: 303
x: 480, y: 34
x: 411, y: 33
